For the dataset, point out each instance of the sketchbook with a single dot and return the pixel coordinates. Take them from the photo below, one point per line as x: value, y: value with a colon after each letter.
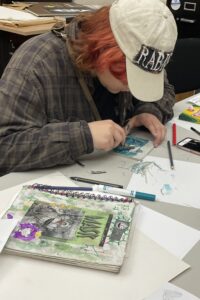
x: 137, y: 146
x: 68, y: 10
x: 84, y: 231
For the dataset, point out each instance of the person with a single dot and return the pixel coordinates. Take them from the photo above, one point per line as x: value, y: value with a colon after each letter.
x: 84, y: 86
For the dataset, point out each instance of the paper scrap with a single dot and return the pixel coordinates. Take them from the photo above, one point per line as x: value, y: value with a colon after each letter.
x: 171, y: 292
x: 6, y: 227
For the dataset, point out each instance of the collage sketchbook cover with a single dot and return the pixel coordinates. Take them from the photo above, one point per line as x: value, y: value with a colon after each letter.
x: 76, y: 231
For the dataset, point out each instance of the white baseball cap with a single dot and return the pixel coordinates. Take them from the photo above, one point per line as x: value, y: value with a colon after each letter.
x: 146, y: 32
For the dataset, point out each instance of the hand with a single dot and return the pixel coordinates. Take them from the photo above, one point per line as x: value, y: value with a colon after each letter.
x: 106, y: 134
x: 152, y: 123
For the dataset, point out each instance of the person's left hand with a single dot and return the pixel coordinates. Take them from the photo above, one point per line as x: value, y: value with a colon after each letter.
x: 152, y: 123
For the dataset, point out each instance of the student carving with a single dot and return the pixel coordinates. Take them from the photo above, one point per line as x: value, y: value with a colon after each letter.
x: 70, y: 91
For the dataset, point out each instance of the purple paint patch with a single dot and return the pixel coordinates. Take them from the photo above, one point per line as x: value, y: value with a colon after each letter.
x: 26, y: 232
x: 9, y: 216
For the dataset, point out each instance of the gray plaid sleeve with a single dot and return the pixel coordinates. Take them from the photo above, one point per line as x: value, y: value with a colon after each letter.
x: 27, y: 139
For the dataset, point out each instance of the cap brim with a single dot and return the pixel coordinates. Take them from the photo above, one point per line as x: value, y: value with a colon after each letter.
x: 143, y: 85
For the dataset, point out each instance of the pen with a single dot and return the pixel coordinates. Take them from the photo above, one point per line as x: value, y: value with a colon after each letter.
x: 124, y: 192
x: 170, y: 155
x: 195, y: 130
x: 93, y: 181
x: 79, y: 163
x: 174, y: 134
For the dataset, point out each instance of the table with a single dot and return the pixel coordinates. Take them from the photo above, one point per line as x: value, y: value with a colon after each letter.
x: 189, y: 280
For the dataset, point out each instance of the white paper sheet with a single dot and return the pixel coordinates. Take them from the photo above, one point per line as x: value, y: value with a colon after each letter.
x: 184, y: 124
x: 171, y: 292
x: 174, y: 236
x: 145, y: 270
x: 153, y: 175
x: 135, y: 280
x: 195, y: 99
x: 7, y: 13
x: 6, y: 227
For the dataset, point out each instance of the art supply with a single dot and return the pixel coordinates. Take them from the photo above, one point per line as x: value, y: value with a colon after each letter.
x: 174, y: 134
x: 99, y: 188
x: 135, y: 147
x: 97, y: 172
x: 61, y: 188
x: 79, y: 192
x: 93, y: 181
x: 124, y: 192
x: 79, y: 163
x: 76, y: 231
x: 170, y: 155
x: 195, y: 130
x: 191, y: 114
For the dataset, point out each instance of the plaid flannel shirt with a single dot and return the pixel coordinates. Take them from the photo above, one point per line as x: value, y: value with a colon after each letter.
x: 44, y: 113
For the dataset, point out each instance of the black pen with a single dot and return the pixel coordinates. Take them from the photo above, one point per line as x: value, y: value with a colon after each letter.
x: 93, y: 181
x: 195, y: 130
x: 170, y: 154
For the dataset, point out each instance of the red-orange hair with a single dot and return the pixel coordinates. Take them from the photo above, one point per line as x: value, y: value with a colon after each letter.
x: 97, y: 47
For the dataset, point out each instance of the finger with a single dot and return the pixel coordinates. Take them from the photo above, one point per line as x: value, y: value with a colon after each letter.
x: 156, y: 133
x: 160, y: 136
x: 131, y: 124
x: 127, y: 128
x: 120, y: 134
x: 119, y: 138
x: 164, y: 131
x: 157, y: 140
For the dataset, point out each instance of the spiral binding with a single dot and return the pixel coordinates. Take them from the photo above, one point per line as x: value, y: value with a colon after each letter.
x: 83, y: 195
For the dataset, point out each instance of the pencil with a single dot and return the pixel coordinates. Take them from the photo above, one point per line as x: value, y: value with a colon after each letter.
x: 92, y: 181
x: 195, y: 130
x: 170, y: 155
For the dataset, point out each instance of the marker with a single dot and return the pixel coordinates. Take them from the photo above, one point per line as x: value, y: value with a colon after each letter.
x: 102, y: 189
x: 195, y: 130
x: 174, y: 134
x: 170, y: 155
x: 92, y: 181
x: 124, y: 192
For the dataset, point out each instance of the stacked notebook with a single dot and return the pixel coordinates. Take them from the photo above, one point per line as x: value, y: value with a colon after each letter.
x: 66, y: 9
x: 88, y: 230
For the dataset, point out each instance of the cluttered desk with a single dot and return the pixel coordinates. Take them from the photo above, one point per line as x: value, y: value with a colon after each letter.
x: 162, y: 257
x: 17, y: 23
x: 16, y: 26
x: 30, y: 19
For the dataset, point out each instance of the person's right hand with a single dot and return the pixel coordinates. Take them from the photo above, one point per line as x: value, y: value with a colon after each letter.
x: 106, y: 134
